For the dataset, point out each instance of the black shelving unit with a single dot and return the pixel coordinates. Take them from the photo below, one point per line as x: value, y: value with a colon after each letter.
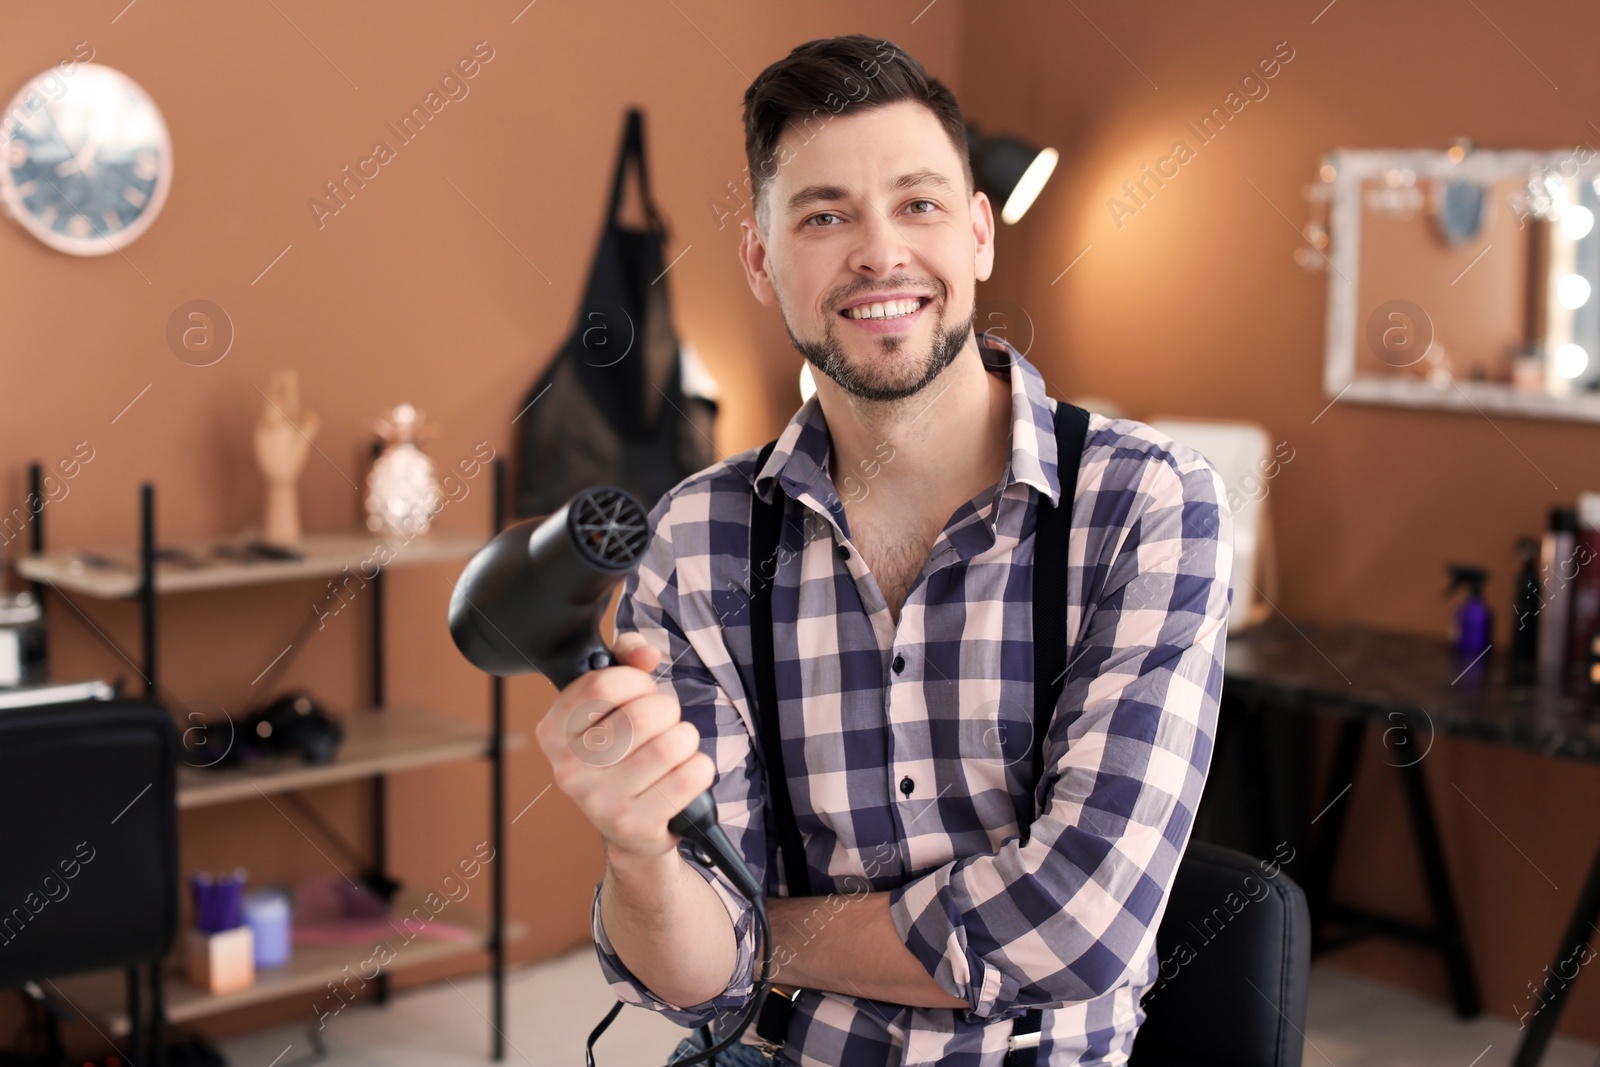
x: 147, y: 594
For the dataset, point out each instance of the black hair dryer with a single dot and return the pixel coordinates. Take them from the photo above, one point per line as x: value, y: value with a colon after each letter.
x: 532, y: 600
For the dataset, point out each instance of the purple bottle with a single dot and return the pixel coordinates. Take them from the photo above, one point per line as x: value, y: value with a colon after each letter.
x: 1474, y: 623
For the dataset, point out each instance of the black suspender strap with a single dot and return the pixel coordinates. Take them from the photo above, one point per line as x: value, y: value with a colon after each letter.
x: 1051, y: 539
x: 1050, y: 562
x: 1050, y: 566
x: 766, y: 526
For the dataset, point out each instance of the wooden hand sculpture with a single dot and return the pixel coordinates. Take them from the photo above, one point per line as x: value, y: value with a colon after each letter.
x: 283, y: 438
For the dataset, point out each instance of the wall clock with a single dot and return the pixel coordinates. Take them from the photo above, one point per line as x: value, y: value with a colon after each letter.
x: 85, y: 159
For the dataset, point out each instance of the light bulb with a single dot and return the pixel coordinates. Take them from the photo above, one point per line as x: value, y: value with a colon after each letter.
x: 1556, y: 189
x: 1576, y: 222
x: 1028, y: 186
x: 1572, y: 290
x: 1571, y: 360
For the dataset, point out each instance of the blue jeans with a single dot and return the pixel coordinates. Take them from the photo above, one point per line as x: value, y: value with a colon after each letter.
x: 733, y: 1056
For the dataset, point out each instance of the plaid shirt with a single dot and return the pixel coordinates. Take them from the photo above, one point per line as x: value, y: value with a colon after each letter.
x: 908, y: 745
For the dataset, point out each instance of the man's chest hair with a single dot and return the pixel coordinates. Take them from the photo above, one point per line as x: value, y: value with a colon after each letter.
x: 895, y: 549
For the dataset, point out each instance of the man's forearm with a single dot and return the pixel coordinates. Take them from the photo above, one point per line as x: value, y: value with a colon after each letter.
x: 668, y: 926
x: 848, y: 944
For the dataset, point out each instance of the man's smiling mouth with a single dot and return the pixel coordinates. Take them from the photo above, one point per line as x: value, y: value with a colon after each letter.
x: 886, y: 309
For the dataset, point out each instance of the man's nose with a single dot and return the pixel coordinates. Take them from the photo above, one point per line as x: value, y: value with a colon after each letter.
x: 881, y: 248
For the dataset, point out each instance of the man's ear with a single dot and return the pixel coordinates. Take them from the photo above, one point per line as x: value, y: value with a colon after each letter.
x: 982, y: 237
x: 753, y: 255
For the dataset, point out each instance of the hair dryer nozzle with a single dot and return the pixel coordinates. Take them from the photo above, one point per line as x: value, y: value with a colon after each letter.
x: 532, y: 598
x: 609, y: 528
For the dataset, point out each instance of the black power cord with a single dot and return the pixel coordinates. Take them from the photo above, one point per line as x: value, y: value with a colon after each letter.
x: 532, y: 600
x: 763, y: 985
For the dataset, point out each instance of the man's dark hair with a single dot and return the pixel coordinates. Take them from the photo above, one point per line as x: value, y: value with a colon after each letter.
x: 832, y: 76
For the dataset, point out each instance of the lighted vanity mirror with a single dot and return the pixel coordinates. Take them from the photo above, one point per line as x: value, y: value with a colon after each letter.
x: 1464, y: 279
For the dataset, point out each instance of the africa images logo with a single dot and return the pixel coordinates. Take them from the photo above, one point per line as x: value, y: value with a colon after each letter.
x: 1252, y: 88
x: 452, y: 84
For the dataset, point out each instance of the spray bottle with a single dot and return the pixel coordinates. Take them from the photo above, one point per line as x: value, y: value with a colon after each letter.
x: 1474, y: 622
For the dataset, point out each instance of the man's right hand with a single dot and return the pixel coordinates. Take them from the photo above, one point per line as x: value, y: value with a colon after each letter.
x: 620, y: 748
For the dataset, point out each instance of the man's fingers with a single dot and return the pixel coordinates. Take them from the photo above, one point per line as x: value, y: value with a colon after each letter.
x: 654, y: 760
x: 606, y: 688
x: 627, y: 641
x: 632, y: 649
x: 672, y: 793
x: 620, y: 748
x: 588, y: 700
x: 602, y: 735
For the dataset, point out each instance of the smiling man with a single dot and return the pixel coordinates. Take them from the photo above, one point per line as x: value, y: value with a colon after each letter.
x: 945, y: 883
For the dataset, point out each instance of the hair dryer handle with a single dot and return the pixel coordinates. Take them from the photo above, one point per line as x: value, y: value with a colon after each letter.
x: 698, y: 822
x: 696, y: 819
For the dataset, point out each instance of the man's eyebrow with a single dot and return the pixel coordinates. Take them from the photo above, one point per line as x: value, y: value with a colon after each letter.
x: 923, y: 177
x: 824, y: 194
x: 815, y: 194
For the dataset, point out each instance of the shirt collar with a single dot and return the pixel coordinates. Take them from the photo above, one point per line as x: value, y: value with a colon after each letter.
x: 799, y: 461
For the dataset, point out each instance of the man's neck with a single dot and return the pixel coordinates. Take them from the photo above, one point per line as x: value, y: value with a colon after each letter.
x: 947, y: 443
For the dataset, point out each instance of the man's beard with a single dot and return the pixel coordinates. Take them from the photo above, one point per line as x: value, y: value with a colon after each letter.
x: 870, y: 382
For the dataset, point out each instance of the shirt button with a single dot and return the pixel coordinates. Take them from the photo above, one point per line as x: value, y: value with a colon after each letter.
x: 907, y: 786
x: 899, y: 664
x: 844, y: 551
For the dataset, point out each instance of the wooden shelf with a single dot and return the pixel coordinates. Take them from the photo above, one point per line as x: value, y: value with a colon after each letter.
x: 374, y: 743
x: 100, y: 995
x: 325, y: 554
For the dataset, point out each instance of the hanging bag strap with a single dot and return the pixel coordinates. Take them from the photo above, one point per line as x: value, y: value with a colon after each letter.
x: 1051, y: 560
x: 633, y: 150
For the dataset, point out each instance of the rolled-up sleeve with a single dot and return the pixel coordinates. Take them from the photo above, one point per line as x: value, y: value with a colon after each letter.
x: 667, y: 601
x: 1072, y: 914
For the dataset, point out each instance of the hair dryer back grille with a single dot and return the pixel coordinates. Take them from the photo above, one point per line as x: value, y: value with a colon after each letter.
x: 609, y: 528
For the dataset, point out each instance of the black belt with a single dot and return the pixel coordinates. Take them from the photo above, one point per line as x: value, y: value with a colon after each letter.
x: 772, y: 1025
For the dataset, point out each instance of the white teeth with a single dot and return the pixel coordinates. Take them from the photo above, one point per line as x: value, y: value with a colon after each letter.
x: 888, y: 309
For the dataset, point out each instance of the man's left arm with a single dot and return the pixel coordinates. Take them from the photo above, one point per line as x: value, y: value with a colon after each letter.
x: 1067, y: 916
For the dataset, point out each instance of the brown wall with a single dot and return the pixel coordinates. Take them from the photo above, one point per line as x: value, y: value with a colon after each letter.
x: 1194, y: 307
x: 416, y: 291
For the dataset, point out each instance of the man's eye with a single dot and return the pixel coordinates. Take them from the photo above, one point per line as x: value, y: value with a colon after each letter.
x: 931, y: 205
x: 823, y: 215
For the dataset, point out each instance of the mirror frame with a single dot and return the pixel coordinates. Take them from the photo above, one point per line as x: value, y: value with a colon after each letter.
x: 1353, y: 167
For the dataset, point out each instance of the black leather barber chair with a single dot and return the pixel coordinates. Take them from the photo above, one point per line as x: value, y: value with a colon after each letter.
x: 1234, y: 951
x: 88, y: 836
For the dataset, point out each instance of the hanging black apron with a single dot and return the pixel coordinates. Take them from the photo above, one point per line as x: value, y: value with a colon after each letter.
x: 610, y: 408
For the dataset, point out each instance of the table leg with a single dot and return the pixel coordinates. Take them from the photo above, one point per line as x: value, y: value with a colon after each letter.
x: 1446, y: 919
x: 1258, y: 764
x: 1542, y: 1026
x: 135, y: 1015
x: 158, y: 1018
x: 1319, y: 879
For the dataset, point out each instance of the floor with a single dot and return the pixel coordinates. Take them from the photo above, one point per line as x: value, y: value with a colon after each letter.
x: 552, y: 1007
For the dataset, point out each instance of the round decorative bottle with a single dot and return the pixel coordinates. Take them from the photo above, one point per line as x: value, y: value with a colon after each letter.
x: 402, y: 490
